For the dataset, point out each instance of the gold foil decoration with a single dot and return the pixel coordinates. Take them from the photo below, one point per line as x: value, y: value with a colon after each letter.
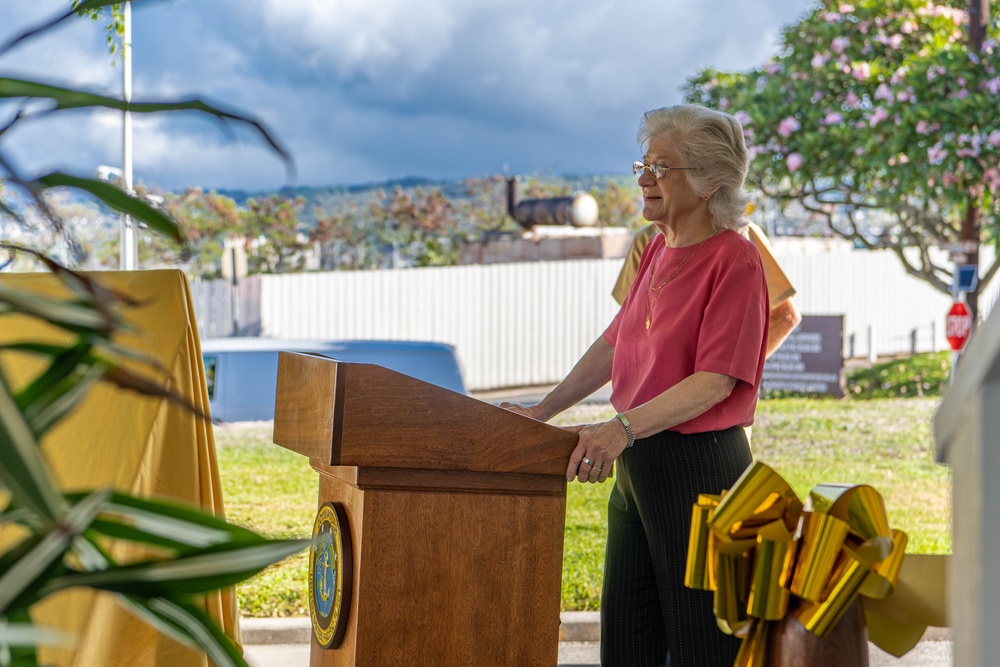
x: 757, y: 545
x: 753, y: 650
x: 820, y: 617
x: 822, y: 537
x: 696, y: 575
x: 772, y: 566
x: 758, y: 497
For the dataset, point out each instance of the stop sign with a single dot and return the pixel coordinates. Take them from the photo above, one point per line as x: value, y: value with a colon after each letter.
x: 958, y: 324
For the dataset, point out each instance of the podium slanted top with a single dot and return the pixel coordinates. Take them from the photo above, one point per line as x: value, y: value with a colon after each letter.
x: 364, y: 415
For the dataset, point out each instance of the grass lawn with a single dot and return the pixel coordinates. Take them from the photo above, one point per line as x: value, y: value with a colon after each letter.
x: 886, y: 443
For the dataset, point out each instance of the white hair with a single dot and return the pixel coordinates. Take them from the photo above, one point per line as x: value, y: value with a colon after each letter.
x: 711, y: 142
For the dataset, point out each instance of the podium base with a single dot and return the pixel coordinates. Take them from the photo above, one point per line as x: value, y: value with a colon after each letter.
x: 791, y: 645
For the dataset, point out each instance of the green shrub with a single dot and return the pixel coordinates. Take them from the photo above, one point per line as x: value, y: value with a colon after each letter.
x: 917, y: 376
x: 920, y: 375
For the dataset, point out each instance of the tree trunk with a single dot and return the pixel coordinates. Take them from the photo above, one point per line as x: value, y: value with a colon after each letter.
x: 979, y: 13
x: 970, y: 232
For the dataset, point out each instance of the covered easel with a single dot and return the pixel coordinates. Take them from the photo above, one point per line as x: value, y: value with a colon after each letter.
x: 146, y: 446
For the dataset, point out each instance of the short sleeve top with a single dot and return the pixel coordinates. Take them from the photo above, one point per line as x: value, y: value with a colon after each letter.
x: 712, y: 316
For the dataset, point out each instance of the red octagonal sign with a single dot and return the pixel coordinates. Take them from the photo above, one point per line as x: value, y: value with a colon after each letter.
x: 958, y: 325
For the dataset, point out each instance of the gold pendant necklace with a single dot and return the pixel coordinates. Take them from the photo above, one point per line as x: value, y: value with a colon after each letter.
x: 657, y: 290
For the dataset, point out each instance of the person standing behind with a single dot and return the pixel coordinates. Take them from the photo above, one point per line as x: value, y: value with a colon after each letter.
x: 784, y: 316
x: 684, y: 355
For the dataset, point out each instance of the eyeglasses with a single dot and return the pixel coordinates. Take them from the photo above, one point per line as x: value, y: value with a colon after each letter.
x: 658, y: 170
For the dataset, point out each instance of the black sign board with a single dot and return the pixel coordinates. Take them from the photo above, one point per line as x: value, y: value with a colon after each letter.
x: 811, y: 360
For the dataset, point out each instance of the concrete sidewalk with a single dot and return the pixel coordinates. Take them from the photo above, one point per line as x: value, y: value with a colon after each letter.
x: 284, y: 642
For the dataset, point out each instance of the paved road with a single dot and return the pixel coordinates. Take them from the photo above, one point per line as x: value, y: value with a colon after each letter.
x: 531, y: 395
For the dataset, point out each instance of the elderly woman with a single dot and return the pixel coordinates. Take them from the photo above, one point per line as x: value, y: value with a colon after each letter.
x: 684, y: 356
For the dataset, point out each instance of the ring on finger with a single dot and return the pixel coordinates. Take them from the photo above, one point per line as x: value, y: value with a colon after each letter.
x: 588, y: 462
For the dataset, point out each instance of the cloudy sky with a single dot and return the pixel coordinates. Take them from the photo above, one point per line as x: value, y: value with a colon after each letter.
x: 369, y: 90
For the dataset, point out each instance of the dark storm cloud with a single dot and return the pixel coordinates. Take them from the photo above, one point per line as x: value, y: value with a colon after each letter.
x: 365, y: 91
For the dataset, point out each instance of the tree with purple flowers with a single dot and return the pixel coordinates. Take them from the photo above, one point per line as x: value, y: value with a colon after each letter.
x: 876, y: 109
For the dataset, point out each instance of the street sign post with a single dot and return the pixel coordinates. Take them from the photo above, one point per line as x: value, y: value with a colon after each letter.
x: 958, y: 325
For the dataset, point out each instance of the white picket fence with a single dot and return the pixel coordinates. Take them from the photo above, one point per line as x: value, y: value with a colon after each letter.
x: 527, y: 323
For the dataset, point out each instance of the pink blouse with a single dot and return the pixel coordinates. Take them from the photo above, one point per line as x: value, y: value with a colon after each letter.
x: 711, y: 317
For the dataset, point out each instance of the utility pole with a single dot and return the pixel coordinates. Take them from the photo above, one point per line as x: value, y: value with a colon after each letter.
x: 129, y: 242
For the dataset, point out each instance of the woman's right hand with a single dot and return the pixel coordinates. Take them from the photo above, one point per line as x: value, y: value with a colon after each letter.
x: 532, y: 411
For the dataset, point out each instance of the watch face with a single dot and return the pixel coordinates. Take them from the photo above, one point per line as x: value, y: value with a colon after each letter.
x: 330, y: 576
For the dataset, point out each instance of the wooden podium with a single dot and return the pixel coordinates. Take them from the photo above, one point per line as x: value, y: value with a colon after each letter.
x: 455, y: 512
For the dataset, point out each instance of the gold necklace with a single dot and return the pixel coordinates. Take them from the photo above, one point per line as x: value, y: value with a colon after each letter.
x: 656, y: 290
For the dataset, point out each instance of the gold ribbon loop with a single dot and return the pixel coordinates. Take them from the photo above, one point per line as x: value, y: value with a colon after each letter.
x: 757, y: 544
x: 758, y: 497
x: 773, y: 563
x: 696, y: 575
x: 822, y: 537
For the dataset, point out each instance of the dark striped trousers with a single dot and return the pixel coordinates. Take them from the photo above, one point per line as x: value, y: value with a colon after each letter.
x: 648, y: 617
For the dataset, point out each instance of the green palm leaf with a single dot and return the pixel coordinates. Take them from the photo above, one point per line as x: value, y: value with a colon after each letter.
x: 189, y: 625
x: 73, y: 316
x: 117, y: 199
x: 43, y: 553
x: 24, y: 472
x: 201, y: 571
x: 25, y: 634
x: 70, y: 98
x: 165, y: 524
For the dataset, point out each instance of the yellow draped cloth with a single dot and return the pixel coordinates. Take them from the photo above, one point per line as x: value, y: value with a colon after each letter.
x: 145, y: 446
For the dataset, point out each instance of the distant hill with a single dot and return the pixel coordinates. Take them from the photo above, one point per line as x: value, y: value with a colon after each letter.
x: 452, y: 188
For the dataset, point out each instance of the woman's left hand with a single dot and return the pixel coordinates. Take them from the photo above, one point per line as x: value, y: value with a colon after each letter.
x: 598, y: 447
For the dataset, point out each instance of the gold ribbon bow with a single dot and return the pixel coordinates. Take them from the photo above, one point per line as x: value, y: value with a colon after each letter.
x: 757, y: 544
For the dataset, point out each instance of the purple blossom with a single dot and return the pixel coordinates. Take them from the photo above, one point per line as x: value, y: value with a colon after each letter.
x: 852, y: 99
x: 839, y: 44
x: 908, y: 27
x: 883, y: 92
x: 934, y: 72
x: 994, y: 138
x: 846, y: 8
x: 832, y: 118
x: 794, y: 161
x: 993, y: 85
x: 862, y: 71
x: 743, y: 117
x: 788, y: 126
x: 895, y: 41
x: 992, y: 178
x: 818, y: 60
x: 831, y: 17
x: 936, y: 153
x: 877, y: 116
x: 773, y: 68
x: 923, y: 127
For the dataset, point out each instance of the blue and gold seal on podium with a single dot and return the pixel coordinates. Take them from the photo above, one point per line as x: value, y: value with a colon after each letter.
x: 330, y: 576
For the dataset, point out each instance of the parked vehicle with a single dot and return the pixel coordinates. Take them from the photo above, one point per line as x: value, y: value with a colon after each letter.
x: 241, y: 373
